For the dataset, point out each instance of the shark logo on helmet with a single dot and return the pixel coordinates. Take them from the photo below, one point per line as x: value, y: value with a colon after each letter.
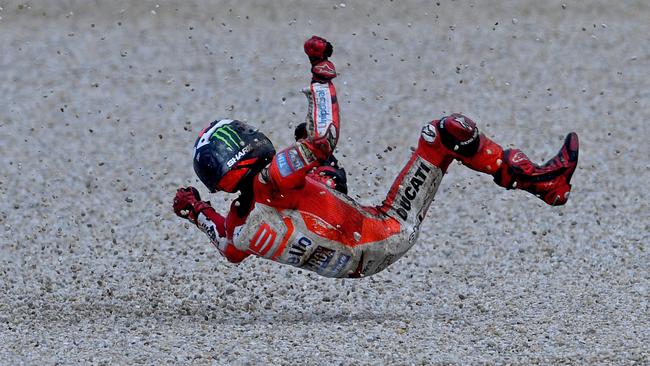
x: 239, y: 155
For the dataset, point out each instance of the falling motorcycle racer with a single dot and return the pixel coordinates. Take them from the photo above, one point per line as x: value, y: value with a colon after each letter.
x: 293, y: 206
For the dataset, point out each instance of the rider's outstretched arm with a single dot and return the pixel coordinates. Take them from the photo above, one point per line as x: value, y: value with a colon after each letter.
x: 188, y: 205
x: 290, y: 166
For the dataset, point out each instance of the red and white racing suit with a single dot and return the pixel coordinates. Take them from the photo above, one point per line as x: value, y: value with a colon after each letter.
x: 298, y: 220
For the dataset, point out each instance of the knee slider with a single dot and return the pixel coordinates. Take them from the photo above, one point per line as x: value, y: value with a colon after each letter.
x: 459, y: 134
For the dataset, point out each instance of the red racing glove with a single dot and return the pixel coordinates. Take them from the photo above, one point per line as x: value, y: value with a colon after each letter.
x: 323, y: 71
x: 318, y: 50
x: 188, y: 204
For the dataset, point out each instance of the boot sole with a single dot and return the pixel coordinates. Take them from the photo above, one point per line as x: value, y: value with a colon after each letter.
x: 572, y: 145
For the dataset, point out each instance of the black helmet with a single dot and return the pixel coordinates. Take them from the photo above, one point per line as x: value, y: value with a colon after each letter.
x: 227, y: 152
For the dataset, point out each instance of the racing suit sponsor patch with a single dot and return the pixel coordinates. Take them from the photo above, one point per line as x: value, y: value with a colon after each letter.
x: 412, y: 190
x: 294, y: 158
x: 323, y: 101
x: 263, y: 240
x: 298, y: 250
x: 341, y: 263
x: 319, y: 259
x: 283, y: 165
x: 289, y: 161
x: 208, y: 227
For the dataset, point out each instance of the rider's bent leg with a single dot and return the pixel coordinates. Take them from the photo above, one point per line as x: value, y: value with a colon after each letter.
x: 510, y: 168
x: 457, y: 137
x: 442, y: 141
x: 414, y: 188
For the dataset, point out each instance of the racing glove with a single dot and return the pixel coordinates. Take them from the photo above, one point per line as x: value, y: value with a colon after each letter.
x: 318, y: 50
x: 188, y: 204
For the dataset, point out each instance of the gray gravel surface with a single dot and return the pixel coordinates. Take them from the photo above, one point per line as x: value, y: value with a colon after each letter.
x: 101, y: 102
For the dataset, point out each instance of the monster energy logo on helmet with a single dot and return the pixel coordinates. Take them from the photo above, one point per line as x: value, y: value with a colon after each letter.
x: 228, y: 136
x: 224, y: 144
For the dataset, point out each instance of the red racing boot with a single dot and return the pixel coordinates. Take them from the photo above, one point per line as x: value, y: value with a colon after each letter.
x: 510, y: 168
x: 550, y: 182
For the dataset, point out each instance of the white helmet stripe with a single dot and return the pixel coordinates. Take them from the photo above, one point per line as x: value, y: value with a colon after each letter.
x: 205, y: 138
